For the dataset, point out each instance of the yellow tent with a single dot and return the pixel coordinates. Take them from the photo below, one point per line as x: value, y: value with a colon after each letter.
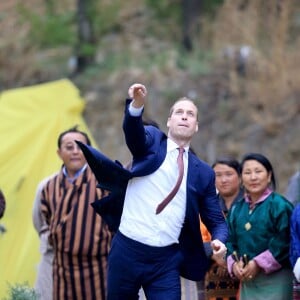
x: 31, y: 120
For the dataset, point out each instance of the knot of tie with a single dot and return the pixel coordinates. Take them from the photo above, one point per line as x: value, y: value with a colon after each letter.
x: 180, y: 154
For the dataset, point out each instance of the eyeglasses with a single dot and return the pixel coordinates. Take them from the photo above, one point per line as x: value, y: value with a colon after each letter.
x: 70, y: 147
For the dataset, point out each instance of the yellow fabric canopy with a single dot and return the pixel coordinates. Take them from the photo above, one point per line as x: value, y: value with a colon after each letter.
x: 31, y: 120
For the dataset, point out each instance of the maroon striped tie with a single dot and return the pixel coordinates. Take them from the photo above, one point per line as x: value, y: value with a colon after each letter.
x: 171, y: 195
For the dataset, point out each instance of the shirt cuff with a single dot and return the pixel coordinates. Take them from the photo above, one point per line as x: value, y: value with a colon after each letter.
x: 230, y: 262
x: 135, y: 112
x: 267, y: 262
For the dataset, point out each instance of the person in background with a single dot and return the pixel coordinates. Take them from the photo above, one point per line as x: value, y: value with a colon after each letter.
x: 218, y: 283
x: 43, y: 283
x: 2, y: 210
x: 155, y: 244
x: 295, y: 250
x: 228, y: 182
x: 2, y: 204
x: 259, y: 234
x: 292, y: 192
x: 79, y: 237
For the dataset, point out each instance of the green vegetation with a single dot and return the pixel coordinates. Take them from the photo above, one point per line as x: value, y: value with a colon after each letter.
x: 21, y: 292
x: 47, y: 31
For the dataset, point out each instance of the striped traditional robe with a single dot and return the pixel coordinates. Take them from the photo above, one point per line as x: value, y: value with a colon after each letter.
x: 79, y: 236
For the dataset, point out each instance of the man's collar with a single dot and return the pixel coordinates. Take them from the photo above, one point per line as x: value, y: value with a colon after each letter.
x: 80, y: 171
x: 171, y: 145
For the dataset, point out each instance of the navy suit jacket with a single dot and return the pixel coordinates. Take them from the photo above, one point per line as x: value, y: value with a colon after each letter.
x: 148, y: 146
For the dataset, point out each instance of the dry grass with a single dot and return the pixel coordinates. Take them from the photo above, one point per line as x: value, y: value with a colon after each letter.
x: 270, y: 85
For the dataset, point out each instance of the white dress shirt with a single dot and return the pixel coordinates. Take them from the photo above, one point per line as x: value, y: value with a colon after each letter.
x: 139, y: 220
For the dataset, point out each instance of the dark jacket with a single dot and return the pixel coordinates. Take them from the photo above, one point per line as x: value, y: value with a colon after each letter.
x: 148, y: 146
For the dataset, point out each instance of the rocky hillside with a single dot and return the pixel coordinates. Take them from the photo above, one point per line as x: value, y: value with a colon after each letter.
x: 243, y: 74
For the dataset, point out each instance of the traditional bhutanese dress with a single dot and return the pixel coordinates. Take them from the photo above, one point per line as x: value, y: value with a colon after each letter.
x: 219, y: 284
x: 262, y: 232
x: 295, y: 246
x: 79, y: 237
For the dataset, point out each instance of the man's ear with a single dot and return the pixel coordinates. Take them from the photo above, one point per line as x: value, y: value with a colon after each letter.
x: 58, y: 153
x: 168, y: 123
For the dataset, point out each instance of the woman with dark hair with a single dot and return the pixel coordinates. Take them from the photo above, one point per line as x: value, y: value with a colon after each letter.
x: 259, y: 234
x: 228, y: 182
x: 218, y: 283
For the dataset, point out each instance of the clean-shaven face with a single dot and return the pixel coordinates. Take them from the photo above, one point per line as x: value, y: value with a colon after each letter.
x: 227, y: 180
x: 255, y: 178
x: 70, y: 153
x: 183, y: 121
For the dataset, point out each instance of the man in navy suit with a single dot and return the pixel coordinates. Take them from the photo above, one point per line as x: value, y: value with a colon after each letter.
x: 150, y: 249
